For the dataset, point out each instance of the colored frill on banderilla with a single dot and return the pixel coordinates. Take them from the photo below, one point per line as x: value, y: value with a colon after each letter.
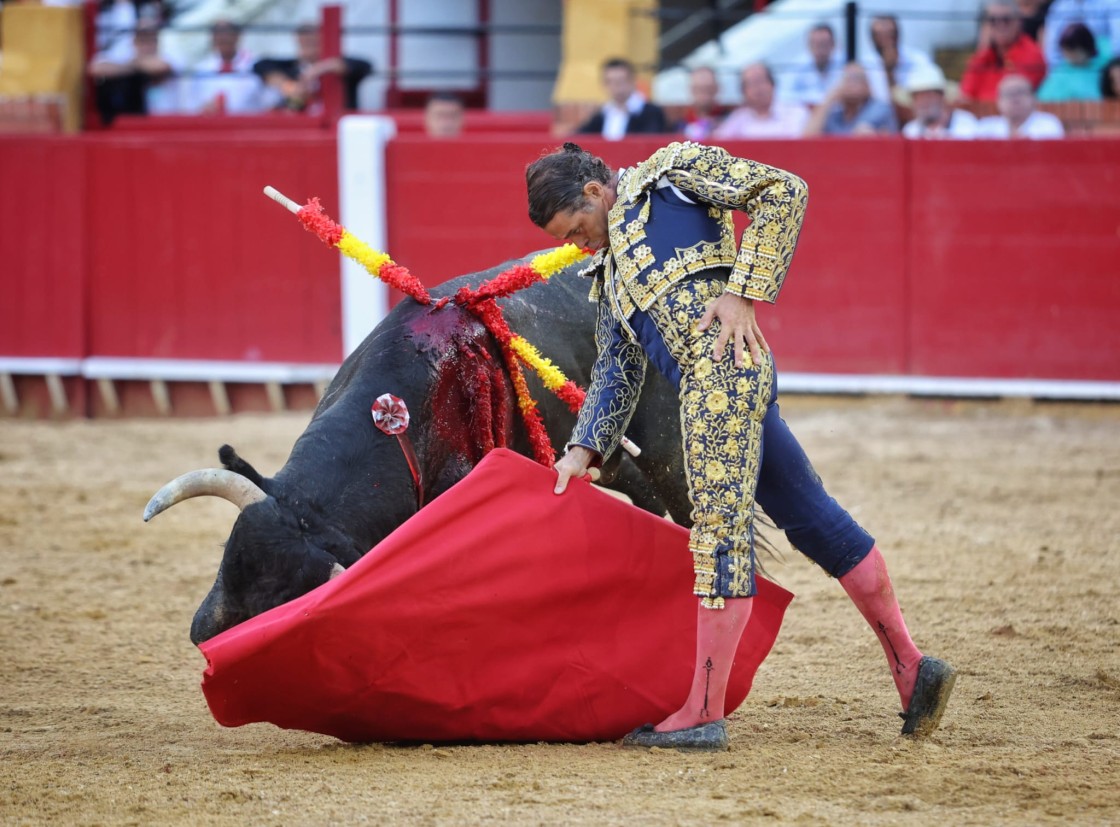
x: 481, y: 301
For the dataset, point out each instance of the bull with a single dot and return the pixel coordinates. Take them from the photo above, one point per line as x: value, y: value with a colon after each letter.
x: 347, y: 485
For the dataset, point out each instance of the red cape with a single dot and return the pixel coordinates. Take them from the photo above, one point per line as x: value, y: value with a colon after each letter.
x: 499, y: 612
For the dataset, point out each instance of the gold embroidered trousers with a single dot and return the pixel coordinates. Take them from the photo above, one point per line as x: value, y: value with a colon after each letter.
x: 722, y: 411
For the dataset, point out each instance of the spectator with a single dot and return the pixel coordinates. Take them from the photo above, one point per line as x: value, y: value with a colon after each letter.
x: 849, y: 109
x: 811, y: 78
x: 115, y: 24
x: 1102, y: 17
x: 626, y: 111
x: 705, y: 112
x: 761, y: 116
x: 896, y: 62
x: 297, y: 79
x: 1033, y: 16
x: 1017, y: 117
x: 1110, y: 80
x: 933, y: 116
x: 1003, y: 50
x: 223, y: 80
x: 128, y: 81
x: 443, y: 115
x: 1078, y: 76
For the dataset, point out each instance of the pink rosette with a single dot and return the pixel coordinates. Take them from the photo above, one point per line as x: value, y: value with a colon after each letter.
x: 390, y: 414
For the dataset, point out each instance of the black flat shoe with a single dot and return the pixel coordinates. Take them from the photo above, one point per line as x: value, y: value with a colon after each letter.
x: 703, y: 738
x: 931, y: 696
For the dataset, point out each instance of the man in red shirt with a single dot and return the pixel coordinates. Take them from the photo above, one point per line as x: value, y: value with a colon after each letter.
x: 1004, y: 49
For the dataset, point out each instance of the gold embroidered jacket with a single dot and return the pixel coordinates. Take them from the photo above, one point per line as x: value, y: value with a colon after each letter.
x: 657, y: 240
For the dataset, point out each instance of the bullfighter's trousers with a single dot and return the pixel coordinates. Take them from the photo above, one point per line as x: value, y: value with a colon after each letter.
x: 739, y: 451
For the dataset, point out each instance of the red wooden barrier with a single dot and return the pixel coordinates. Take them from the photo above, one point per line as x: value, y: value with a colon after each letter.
x: 459, y: 206
x: 932, y: 259
x: 42, y: 246
x: 188, y: 260
x: 1015, y: 258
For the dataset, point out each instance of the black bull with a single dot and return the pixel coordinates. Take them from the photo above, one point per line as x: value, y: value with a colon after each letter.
x: 347, y: 485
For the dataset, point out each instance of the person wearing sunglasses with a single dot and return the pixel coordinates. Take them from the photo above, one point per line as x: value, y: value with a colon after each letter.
x: 1004, y: 49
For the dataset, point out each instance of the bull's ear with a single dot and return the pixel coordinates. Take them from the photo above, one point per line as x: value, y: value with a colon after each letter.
x: 234, y: 463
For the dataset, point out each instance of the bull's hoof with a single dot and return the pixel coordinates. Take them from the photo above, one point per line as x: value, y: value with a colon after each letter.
x: 931, y: 696
x: 703, y: 738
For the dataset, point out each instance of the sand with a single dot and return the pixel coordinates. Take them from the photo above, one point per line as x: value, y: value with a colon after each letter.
x: 1000, y: 522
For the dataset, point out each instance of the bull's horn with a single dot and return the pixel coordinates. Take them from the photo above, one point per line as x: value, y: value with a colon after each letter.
x: 213, y: 482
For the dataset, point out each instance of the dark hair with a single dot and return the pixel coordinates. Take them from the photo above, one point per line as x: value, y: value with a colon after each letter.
x: 824, y: 27
x: 890, y: 18
x: 555, y: 181
x: 765, y: 67
x: 1108, y: 88
x: 1076, y: 37
x: 619, y: 63
x: 445, y: 96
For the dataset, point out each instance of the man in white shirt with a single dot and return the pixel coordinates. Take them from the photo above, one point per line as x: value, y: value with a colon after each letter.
x: 223, y: 81
x: 809, y: 81
x: 933, y: 117
x: 892, y: 62
x: 1017, y: 117
x: 761, y: 116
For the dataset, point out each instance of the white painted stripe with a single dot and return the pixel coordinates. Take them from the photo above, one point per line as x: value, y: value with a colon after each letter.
x: 186, y: 370
x: 946, y: 386
x: 183, y: 370
x: 363, y: 206
x: 40, y: 365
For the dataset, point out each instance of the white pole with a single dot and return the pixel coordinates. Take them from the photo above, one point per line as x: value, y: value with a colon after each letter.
x: 363, y: 209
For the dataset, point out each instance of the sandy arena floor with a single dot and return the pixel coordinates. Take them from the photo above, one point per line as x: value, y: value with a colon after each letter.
x: 1000, y: 521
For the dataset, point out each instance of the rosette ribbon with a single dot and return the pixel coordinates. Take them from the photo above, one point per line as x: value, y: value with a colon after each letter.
x: 390, y: 415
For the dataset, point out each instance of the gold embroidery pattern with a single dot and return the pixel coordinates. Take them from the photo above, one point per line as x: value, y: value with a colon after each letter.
x: 722, y: 408
x: 616, y: 383
x: 773, y: 198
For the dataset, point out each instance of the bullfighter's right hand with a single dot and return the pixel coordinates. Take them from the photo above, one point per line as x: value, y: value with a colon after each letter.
x: 575, y: 463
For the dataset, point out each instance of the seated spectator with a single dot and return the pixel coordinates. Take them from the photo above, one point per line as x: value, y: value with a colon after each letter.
x: 115, y: 24
x: 1078, y: 76
x: 223, y: 81
x: 761, y: 116
x: 849, y: 109
x: 297, y: 79
x: 933, y: 116
x: 1017, y: 116
x: 128, y: 81
x: 808, y: 82
x: 896, y: 62
x: 704, y: 112
x: 626, y: 111
x: 1101, y: 17
x: 1110, y: 80
x: 443, y: 115
x: 1003, y: 50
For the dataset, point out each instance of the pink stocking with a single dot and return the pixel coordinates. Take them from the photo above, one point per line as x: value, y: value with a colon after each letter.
x: 869, y: 587
x: 717, y: 639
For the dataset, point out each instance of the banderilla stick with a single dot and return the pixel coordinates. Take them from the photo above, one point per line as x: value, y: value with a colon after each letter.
x: 292, y: 207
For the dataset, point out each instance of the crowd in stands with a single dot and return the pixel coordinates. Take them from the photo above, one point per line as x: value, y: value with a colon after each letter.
x: 131, y: 77
x: 1027, y: 51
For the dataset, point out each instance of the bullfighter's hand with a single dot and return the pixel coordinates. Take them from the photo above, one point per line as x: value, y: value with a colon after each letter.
x: 737, y: 323
x: 574, y: 463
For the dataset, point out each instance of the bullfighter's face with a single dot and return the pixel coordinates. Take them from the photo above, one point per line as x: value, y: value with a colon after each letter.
x: 585, y: 227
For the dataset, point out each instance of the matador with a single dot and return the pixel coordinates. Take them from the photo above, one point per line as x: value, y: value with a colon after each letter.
x: 674, y: 289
